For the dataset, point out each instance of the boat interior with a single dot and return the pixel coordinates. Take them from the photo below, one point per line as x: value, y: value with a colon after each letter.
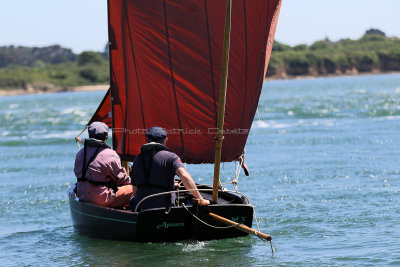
x: 184, y: 197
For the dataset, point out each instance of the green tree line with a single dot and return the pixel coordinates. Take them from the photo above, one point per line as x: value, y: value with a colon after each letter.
x: 372, y: 52
x: 53, y: 66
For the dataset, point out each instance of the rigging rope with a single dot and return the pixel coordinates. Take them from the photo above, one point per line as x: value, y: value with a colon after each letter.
x: 235, y: 179
x: 170, y: 192
x: 186, y: 190
x: 230, y: 226
x: 209, y: 225
x: 77, y: 139
x: 258, y: 115
x: 258, y: 228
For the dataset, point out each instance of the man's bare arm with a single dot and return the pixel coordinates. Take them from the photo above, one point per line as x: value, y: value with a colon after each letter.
x: 188, y: 182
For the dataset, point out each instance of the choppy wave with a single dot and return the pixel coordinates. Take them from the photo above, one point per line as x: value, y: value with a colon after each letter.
x: 75, y: 111
x: 270, y: 124
x: 192, y: 246
x: 334, y: 99
x: 54, y: 135
x: 280, y: 124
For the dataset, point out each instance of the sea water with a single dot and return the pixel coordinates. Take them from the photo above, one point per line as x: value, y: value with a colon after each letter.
x: 324, y: 160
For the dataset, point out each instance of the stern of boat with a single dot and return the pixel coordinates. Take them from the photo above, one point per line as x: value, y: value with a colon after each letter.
x: 101, y: 222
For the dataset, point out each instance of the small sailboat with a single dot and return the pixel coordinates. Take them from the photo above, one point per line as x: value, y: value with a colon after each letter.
x: 169, y: 62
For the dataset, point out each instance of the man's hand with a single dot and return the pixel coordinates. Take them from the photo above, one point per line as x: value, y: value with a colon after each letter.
x: 203, y: 202
x: 176, y: 185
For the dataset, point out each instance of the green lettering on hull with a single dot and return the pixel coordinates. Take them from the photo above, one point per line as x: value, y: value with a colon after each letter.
x: 165, y: 225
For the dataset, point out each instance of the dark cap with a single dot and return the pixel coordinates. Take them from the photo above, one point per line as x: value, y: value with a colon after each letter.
x: 98, y: 130
x: 156, y: 134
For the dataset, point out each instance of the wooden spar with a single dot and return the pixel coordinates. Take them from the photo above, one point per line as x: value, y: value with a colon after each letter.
x: 125, y: 164
x: 222, y: 100
x: 241, y: 227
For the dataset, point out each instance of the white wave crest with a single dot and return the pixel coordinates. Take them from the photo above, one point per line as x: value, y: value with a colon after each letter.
x: 13, y: 106
x: 298, y: 123
x: 74, y: 111
x: 54, y: 135
x: 259, y: 124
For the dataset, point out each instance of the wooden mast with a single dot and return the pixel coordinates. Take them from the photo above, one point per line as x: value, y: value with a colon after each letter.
x: 222, y: 100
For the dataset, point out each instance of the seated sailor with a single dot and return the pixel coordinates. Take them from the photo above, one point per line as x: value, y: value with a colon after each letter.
x: 101, y: 179
x: 154, y: 170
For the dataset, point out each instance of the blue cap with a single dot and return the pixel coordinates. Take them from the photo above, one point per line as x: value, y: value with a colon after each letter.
x: 156, y: 134
x: 98, y: 130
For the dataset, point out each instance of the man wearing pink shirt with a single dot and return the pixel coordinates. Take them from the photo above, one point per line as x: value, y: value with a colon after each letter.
x: 101, y: 178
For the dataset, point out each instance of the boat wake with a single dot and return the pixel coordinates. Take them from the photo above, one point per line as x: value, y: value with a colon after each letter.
x: 192, y: 246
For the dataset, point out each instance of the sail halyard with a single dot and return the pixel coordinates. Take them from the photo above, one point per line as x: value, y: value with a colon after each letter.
x: 222, y: 100
x: 124, y: 29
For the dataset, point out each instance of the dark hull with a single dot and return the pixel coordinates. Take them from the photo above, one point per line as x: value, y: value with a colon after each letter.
x: 155, y: 225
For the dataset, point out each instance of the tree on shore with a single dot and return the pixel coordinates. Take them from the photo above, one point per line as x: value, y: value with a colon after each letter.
x: 55, y: 66
x: 373, y: 52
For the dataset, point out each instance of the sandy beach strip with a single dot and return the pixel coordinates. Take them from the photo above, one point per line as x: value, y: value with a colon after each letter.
x: 98, y: 87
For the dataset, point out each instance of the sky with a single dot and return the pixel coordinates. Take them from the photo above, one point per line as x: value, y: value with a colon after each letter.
x: 82, y: 24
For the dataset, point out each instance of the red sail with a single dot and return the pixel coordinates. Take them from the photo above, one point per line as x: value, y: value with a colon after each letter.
x: 166, y: 60
x: 103, y: 112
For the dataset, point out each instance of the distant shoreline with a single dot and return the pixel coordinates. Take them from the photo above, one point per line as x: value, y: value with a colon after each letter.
x: 104, y: 87
x: 331, y: 75
x: 83, y: 88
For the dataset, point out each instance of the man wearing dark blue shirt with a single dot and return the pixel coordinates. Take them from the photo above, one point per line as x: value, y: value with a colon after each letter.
x: 154, y: 170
